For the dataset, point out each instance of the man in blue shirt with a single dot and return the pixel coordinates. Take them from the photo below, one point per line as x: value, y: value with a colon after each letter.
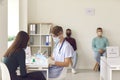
x: 99, y: 45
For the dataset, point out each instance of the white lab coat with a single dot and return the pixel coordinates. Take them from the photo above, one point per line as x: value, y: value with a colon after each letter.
x: 59, y: 55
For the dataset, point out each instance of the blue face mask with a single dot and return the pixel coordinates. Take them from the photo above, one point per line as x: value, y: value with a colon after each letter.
x: 56, y: 40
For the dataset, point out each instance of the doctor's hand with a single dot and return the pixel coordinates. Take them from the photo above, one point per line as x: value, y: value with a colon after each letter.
x: 51, y: 61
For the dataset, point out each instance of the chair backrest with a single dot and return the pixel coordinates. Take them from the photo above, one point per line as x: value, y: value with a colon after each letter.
x: 4, y: 72
x: 62, y: 75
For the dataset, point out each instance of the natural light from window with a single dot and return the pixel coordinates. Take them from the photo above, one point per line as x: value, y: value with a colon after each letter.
x: 13, y: 20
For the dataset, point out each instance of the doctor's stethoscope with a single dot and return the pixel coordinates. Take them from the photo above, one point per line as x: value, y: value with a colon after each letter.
x: 60, y: 46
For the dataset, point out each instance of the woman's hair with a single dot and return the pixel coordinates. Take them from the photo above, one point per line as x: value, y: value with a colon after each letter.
x: 56, y: 30
x: 19, y: 43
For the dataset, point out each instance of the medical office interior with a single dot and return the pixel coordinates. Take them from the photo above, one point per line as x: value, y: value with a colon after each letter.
x: 83, y: 17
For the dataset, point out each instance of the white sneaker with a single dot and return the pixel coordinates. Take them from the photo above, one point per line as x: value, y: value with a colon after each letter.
x: 74, y: 71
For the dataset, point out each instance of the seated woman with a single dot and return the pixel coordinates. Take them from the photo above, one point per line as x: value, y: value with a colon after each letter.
x: 15, y: 57
x: 62, y: 53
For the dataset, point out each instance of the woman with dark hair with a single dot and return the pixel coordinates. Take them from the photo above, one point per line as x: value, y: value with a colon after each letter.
x: 15, y: 57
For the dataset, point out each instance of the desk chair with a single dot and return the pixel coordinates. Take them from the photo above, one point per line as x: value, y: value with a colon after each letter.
x: 4, y: 72
x: 62, y: 75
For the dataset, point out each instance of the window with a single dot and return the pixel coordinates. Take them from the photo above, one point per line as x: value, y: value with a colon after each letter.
x: 13, y: 20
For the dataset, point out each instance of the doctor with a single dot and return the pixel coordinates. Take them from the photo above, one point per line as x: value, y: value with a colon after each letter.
x: 62, y: 53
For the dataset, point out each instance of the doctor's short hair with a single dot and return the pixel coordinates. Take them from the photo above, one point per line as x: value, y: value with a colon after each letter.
x: 56, y: 30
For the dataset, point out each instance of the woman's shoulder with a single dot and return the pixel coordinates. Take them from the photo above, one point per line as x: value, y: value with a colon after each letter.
x: 20, y: 51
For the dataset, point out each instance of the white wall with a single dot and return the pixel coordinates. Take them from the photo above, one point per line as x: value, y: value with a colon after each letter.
x: 3, y: 27
x: 23, y: 15
x: 72, y: 14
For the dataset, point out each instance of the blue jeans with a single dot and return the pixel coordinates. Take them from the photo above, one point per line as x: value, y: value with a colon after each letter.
x: 98, y: 55
x: 53, y: 71
x: 74, y: 60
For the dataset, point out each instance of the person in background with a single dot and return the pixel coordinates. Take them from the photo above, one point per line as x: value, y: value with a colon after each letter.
x: 99, y: 45
x: 15, y: 57
x: 62, y: 53
x: 72, y: 41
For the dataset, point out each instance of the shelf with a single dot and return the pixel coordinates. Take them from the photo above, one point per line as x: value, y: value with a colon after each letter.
x: 40, y: 46
x: 34, y: 34
x: 45, y: 34
x: 34, y: 45
x: 42, y: 23
x: 46, y: 46
x: 40, y: 34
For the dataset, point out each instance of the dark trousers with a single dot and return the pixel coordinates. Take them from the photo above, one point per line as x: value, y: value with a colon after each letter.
x: 30, y: 76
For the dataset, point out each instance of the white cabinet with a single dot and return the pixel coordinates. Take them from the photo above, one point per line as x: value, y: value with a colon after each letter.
x: 40, y: 37
x: 103, y: 69
x: 110, y: 68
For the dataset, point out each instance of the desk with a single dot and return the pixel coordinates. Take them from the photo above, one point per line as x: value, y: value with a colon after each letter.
x: 108, y: 65
x: 33, y: 67
x: 38, y: 65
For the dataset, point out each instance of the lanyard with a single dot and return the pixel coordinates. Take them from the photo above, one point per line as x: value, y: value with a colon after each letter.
x: 61, y: 46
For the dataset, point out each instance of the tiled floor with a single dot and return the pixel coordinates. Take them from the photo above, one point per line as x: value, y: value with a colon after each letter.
x: 83, y: 75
